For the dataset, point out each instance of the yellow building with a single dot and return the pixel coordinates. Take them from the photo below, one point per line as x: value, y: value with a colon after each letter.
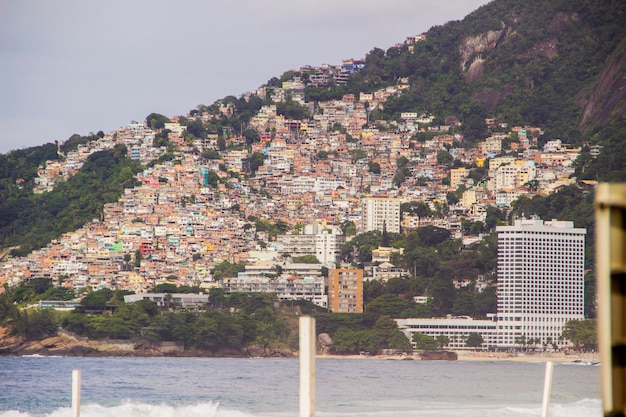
x: 345, y: 290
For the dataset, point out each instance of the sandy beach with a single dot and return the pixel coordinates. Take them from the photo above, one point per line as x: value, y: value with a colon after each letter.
x: 528, y: 357
x: 559, y: 357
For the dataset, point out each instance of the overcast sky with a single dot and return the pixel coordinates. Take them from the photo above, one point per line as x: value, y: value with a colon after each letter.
x: 78, y: 66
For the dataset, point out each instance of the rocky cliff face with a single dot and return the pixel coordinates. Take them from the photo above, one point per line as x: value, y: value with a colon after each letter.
x: 439, y: 355
x: 472, y: 48
x: 607, y: 99
x: 68, y: 344
x: 52, y: 346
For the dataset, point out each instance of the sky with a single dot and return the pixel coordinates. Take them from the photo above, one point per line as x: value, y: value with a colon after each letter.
x: 79, y: 66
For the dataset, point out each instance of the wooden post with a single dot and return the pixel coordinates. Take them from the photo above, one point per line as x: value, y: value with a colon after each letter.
x: 611, y: 282
x: 307, y: 366
x: 75, y: 393
x: 547, y: 389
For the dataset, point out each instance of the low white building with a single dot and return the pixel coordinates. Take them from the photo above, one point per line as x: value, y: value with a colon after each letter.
x: 286, y: 287
x: 457, y: 329
x: 164, y: 300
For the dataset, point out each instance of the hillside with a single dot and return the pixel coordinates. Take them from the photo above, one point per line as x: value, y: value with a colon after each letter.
x: 181, y: 202
x: 558, y: 65
x: 552, y: 64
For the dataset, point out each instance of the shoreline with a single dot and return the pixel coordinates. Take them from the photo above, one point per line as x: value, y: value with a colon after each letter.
x: 65, y: 346
x: 462, y: 356
x: 468, y: 356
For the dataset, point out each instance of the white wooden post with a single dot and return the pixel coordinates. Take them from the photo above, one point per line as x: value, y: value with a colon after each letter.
x: 75, y: 393
x: 547, y: 389
x: 307, y: 366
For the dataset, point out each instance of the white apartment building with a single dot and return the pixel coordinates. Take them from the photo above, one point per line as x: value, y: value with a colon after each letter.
x: 323, y: 241
x: 379, y: 213
x: 504, y: 198
x: 513, y: 175
x: 183, y: 300
x: 540, y: 279
x: 286, y: 287
x: 303, y: 184
x: 540, y: 288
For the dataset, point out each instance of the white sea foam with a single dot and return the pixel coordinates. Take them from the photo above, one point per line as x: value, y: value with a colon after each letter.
x: 582, y: 408
x: 135, y: 409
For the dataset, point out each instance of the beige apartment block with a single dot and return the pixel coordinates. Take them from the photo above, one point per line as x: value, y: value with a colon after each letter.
x: 345, y: 290
x: 457, y: 175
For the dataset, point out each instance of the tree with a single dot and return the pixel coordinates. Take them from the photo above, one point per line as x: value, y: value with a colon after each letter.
x: 442, y: 340
x: 161, y: 139
x: 424, y: 342
x: 358, y: 154
x: 349, y: 340
x: 348, y: 228
x: 40, y: 285
x: 196, y: 128
x: 582, y: 333
x: 205, y: 332
x: 433, y: 235
x: 374, y: 167
x: 138, y: 258
x: 221, y: 144
x: 251, y: 136
x: 443, y: 293
x: 166, y: 287
x: 58, y: 293
x: 451, y: 198
x: 416, y: 208
x: 474, y: 340
x: 156, y: 121
x: 97, y: 298
x: 217, y: 296
x: 226, y: 269
x: 306, y: 259
x: 255, y: 161
x: 444, y: 158
x: 402, y: 162
x: 292, y: 110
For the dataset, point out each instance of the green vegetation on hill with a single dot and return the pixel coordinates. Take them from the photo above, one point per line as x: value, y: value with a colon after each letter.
x: 540, y: 58
x: 76, y: 140
x: 434, y: 263
x: 30, y: 221
x: 231, y: 321
x: 18, y: 169
x: 610, y: 165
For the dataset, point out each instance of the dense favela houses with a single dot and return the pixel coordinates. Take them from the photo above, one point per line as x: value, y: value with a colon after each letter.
x: 540, y: 288
x: 333, y: 166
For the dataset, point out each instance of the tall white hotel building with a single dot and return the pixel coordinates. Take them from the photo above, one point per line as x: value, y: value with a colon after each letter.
x: 540, y: 279
x: 540, y: 288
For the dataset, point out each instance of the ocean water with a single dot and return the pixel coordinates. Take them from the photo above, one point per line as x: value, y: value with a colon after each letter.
x: 222, y: 387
